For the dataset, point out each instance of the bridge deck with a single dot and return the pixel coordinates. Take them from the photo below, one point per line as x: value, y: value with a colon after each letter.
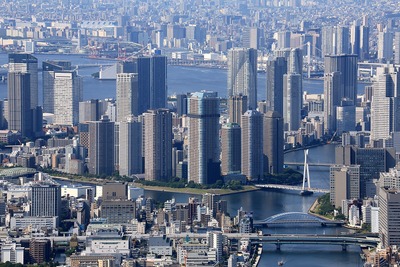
x: 271, y: 239
x: 291, y: 187
x: 321, y: 164
x: 318, y: 239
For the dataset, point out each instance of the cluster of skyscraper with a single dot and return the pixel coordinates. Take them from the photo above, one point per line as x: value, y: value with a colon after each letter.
x: 141, y: 128
x: 252, y: 142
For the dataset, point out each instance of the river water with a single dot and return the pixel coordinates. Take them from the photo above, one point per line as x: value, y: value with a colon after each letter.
x: 181, y: 79
x: 266, y: 203
x: 262, y: 203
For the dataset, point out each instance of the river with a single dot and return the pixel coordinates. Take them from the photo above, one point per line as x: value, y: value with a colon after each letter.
x: 181, y: 79
x: 266, y: 203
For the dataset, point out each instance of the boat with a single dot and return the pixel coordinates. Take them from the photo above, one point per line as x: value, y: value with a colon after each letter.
x: 281, y: 263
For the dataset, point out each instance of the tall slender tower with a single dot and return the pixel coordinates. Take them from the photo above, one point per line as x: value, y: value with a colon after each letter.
x: 130, y: 147
x: 276, y: 68
x: 101, y: 147
x: 336, y: 89
x: 68, y: 92
x: 158, y: 144
x: 158, y: 92
x: 252, y: 148
x: 181, y: 104
x: 152, y: 81
x: 342, y: 40
x: 237, y: 106
x: 385, y: 46
x: 328, y: 40
x: 203, y: 155
x: 389, y: 205
x: 89, y: 110
x: 347, y: 66
x: 242, y: 74
x: 295, y: 61
x: 29, y: 64
x: 332, y: 95
x: 385, y: 106
x: 397, y: 48
x: 355, y: 44
x: 292, y: 101
x: 364, y: 42
x: 19, y: 111
x: 273, y: 142
x: 127, y: 95
x: 49, y: 69
x: 230, y: 148
x: 345, y: 116
x: 283, y: 39
x: 252, y: 37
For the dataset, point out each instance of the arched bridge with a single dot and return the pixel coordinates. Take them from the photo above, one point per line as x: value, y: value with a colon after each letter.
x: 298, y: 218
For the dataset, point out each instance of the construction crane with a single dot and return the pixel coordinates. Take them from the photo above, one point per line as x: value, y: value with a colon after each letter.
x: 133, y: 55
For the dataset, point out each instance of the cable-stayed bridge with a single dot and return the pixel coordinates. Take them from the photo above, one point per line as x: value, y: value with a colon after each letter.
x: 292, y: 188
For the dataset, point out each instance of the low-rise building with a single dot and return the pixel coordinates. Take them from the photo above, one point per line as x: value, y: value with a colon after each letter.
x: 94, y: 261
x: 160, y: 246
x: 11, y: 252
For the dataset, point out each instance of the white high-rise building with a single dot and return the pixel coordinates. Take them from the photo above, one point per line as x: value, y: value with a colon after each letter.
x: 344, y: 183
x: 283, y: 39
x: 127, y: 95
x: 49, y: 68
x: 354, y: 215
x: 68, y: 92
x: 214, y: 241
x: 389, y: 214
x: 385, y: 45
x: 11, y: 252
x: 242, y: 74
x: 390, y: 179
x: 397, y: 48
x: 374, y: 219
x: 385, y: 106
x: 332, y: 85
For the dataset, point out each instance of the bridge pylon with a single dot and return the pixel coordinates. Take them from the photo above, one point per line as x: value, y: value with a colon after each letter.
x: 306, y: 177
